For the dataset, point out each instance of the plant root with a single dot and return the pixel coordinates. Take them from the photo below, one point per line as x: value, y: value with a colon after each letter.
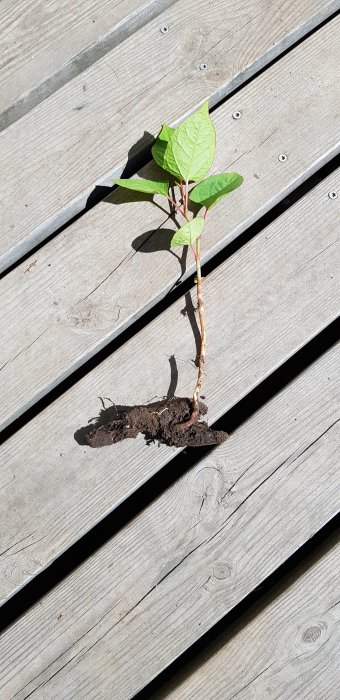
x: 160, y: 421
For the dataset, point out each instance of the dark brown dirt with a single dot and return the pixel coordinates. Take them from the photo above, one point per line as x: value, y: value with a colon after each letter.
x: 158, y: 421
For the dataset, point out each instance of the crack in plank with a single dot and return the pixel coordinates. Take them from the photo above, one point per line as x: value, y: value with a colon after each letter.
x: 24, y: 349
x: 15, y: 543
x: 26, y: 546
x: 313, y: 258
x: 252, y: 680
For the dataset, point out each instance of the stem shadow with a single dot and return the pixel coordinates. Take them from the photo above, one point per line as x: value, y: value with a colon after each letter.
x: 110, y: 413
x: 160, y: 239
x: 189, y: 311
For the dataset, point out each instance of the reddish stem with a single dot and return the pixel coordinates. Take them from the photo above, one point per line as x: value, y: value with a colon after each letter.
x: 200, y: 308
x: 201, y: 356
x: 176, y: 206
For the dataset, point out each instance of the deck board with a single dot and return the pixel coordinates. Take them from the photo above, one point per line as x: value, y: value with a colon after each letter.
x: 87, y: 285
x: 191, y: 556
x: 289, y: 642
x: 53, y: 490
x: 49, y: 172
x: 43, y: 45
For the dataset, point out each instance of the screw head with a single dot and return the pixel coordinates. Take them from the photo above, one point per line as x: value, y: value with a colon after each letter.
x: 283, y: 157
x: 164, y: 30
x: 237, y: 115
x: 203, y: 66
x: 332, y: 194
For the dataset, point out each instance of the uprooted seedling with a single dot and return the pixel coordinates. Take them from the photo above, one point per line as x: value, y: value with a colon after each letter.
x: 186, y: 153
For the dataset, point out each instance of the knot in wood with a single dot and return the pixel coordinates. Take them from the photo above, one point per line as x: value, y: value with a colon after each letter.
x: 222, y: 570
x: 312, y: 634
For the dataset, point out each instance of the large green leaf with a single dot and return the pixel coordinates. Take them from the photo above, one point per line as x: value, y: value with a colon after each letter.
x: 191, y: 147
x: 211, y: 190
x: 148, y: 186
x: 188, y: 233
x: 159, y: 147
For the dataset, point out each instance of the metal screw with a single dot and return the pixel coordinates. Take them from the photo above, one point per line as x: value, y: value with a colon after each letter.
x: 203, y: 66
x: 164, y: 30
x: 237, y: 115
x: 283, y: 158
x: 332, y: 194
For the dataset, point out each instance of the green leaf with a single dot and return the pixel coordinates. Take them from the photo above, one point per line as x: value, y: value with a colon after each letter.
x: 159, y: 147
x: 190, y: 149
x: 188, y: 233
x: 148, y: 186
x: 211, y: 190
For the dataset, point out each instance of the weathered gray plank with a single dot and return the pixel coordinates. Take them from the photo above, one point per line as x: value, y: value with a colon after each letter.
x: 87, y: 285
x: 281, y: 290
x: 43, y: 45
x: 49, y: 172
x: 287, y: 647
x: 190, y: 557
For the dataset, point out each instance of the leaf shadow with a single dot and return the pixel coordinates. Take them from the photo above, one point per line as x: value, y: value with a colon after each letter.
x: 137, y: 154
x: 152, y: 171
x: 160, y: 239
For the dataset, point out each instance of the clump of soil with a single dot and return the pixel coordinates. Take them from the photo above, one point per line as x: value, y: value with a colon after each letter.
x: 159, y: 421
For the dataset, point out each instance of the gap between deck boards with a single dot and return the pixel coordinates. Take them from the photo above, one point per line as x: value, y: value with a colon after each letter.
x: 291, y: 571
x: 86, y: 57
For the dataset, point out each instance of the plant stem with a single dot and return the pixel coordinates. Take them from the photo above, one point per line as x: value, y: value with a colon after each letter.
x: 182, y: 195
x: 184, y: 188
x: 201, y: 314
x: 201, y: 356
x: 193, y: 250
x: 176, y: 206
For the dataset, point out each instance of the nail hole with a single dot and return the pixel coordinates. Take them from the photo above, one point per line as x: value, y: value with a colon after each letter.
x: 237, y: 115
x: 332, y: 194
x: 283, y: 157
x: 203, y: 66
x: 164, y: 30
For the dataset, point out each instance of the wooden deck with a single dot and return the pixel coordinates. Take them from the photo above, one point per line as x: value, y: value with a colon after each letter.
x: 130, y: 570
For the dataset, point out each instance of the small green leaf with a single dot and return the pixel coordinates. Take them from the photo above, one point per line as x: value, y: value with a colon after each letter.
x: 148, y: 186
x: 188, y: 233
x: 211, y: 190
x: 190, y: 149
x: 159, y: 147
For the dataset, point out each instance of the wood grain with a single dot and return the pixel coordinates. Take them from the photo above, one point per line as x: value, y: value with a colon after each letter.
x: 287, y: 647
x: 190, y: 557
x: 281, y: 290
x: 43, y: 45
x: 88, y: 284
x: 54, y: 156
